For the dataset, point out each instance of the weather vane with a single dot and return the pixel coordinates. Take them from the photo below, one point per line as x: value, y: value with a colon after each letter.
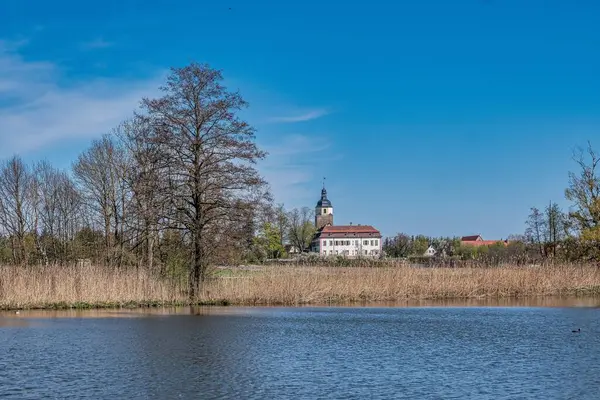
x: 323, y: 182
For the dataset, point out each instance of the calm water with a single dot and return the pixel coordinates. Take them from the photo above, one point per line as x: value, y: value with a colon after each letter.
x: 304, y: 353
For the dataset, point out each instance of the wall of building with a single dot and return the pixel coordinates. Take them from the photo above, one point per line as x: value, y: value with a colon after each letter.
x: 354, y: 247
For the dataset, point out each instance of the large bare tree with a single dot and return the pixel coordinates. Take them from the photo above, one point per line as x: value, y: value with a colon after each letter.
x: 17, y: 205
x: 210, y: 159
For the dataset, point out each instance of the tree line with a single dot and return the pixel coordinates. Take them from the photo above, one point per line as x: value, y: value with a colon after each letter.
x: 174, y: 189
x: 551, y: 235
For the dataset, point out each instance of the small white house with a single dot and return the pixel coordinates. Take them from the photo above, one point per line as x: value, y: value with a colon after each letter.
x: 430, y: 252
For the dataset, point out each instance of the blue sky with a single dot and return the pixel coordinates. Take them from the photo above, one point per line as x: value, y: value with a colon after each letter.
x: 434, y: 117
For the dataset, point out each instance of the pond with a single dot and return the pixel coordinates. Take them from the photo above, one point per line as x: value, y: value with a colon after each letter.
x: 454, y: 351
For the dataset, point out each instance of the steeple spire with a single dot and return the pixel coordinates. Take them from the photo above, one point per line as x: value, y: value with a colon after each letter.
x: 323, y: 210
x: 324, y: 201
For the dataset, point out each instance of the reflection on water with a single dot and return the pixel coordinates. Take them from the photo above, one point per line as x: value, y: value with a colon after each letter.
x: 375, y: 352
x: 541, y: 301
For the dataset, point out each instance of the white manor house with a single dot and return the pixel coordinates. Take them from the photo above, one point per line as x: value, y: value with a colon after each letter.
x: 345, y: 240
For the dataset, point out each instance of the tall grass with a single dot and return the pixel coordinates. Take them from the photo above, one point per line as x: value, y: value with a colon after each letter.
x: 297, y: 285
x: 84, y: 286
x: 34, y: 287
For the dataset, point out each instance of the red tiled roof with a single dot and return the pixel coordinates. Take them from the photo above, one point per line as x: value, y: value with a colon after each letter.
x: 349, y: 229
x: 483, y: 242
x: 470, y: 238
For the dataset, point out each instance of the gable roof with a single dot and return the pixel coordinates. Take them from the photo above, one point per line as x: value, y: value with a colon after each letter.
x: 478, y: 243
x: 471, y: 238
x: 348, y: 231
x: 349, y: 228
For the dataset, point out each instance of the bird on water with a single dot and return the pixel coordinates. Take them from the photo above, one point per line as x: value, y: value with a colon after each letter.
x: 577, y: 331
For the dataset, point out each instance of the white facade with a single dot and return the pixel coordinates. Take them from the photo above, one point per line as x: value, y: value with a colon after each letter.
x: 324, y: 211
x: 348, y: 241
x: 430, y: 252
x: 353, y: 247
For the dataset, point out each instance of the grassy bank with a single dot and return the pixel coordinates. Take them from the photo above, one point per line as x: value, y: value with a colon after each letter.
x: 88, y: 287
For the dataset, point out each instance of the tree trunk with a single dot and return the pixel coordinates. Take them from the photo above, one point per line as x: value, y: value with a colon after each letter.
x: 196, y: 272
x: 150, y: 250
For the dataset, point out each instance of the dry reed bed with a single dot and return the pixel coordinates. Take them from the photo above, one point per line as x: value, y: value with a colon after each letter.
x: 47, y: 287
x: 56, y: 286
x: 285, y: 285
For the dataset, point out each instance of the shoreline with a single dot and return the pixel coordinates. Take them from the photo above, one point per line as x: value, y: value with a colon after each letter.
x: 576, y: 299
x: 94, y: 287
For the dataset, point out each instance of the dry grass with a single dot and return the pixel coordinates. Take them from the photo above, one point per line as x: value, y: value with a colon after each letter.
x: 297, y: 285
x: 49, y: 287
x: 55, y: 286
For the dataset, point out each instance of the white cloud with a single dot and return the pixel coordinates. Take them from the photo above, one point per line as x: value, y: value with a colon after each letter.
x: 306, y: 116
x: 37, y: 110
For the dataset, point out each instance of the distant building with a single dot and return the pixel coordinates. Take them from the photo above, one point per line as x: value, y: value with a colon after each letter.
x: 477, y: 240
x: 291, y: 249
x: 430, y: 252
x: 344, y: 240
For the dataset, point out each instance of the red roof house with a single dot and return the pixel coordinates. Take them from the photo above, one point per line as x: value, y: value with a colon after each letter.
x: 348, y: 240
x: 477, y: 240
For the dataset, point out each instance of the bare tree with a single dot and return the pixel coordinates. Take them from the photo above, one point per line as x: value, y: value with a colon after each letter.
x: 556, y: 227
x: 584, y: 192
x: 17, y: 205
x: 58, y: 209
x: 281, y: 222
x: 210, y: 155
x: 145, y: 182
x: 301, y: 228
x: 47, y: 185
x: 536, y: 230
x: 68, y: 215
x: 100, y: 173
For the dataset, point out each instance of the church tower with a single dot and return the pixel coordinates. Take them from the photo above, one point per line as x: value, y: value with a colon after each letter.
x: 323, y: 211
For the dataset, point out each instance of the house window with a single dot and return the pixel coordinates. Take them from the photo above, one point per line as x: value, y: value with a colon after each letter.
x: 324, y: 211
x: 376, y: 242
x: 366, y: 252
x: 365, y: 243
x: 331, y: 242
